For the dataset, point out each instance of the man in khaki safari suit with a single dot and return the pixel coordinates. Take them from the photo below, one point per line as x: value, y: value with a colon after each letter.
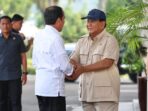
x: 95, y: 58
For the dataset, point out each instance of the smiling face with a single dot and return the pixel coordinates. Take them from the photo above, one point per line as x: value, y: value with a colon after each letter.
x: 95, y: 27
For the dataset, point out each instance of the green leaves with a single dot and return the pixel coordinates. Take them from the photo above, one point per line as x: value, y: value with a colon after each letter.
x: 123, y: 21
x: 74, y: 27
x: 126, y: 22
x: 9, y: 7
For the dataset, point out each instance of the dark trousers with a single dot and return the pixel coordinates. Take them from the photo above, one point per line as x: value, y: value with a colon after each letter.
x: 51, y: 103
x: 10, y: 95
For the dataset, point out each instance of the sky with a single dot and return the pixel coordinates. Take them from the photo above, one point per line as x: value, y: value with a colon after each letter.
x: 78, y: 4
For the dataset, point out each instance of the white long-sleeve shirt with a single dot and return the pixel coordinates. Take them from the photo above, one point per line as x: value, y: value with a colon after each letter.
x: 51, y: 63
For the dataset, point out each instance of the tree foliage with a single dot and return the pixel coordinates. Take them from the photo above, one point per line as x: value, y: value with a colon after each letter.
x: 74, y: 27
x: 42, y: 4
x: 126, y: 19
x: 126, y: 22
x: 9, y: 7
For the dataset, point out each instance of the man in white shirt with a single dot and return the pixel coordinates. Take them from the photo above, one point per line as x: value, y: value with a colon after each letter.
x: 51, y: 62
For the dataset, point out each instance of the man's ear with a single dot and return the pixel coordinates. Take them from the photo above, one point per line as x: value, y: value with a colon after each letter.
x: 58, y: 20
x: 103, y: 24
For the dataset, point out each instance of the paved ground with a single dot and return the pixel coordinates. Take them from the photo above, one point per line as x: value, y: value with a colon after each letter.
x: 128, y: 92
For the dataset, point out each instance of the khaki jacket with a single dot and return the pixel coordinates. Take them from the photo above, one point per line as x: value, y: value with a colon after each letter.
x: 102, y: 85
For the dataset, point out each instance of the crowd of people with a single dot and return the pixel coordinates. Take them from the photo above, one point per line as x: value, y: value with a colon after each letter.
x: 94, y: 60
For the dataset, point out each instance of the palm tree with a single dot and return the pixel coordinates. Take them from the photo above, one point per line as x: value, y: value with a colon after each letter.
x: 126, y: 23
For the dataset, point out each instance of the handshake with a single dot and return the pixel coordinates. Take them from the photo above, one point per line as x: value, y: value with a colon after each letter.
x: 78, y: 70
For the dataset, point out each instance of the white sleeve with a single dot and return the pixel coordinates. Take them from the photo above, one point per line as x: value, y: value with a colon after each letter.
x: 34, y: 59
x: 61, y: 57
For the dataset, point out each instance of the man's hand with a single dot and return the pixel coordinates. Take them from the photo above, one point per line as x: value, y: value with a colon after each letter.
x: 77, y: 72
x: 30, y: 41
x: 24, y: 79
x: 74, y: 68
x: 22, y: 35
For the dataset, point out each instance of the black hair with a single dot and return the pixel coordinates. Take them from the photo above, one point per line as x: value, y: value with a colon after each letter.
x: 17, y: 17
x: 5, y: 17
x: 52, y: 13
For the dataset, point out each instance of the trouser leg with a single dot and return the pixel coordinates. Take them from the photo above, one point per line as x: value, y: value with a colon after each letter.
x: 3, y: 95
x: 100, y: 106
x: 88, y: 106
x: 59, y: 104
x: 106, y: 106
x: 43, y: 103
x: 51, y: 103
x: 15, y: 92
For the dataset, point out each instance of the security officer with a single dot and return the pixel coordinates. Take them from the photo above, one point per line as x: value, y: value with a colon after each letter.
x: 12, y: 56
x: 17, y: 21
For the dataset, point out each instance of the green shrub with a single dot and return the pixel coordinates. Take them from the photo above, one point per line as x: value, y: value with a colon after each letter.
x: 31, y: 69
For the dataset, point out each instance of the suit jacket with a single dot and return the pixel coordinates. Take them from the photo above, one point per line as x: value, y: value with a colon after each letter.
x: 102, y: 85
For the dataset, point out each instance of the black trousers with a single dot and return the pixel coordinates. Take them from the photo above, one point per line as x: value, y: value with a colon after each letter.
x: 10, y: 95
x: 51, y: 103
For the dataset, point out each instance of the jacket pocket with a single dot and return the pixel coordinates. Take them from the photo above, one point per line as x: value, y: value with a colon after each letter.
x: 97, y: 55
x: 103, y: 88
x: 103, y: 92
x: 83, y: 57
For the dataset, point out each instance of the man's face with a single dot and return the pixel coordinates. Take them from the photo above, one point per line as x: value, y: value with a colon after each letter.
x: 17, y: 25
x: 5, y: 25
x: 62, y: 21
x: 95, y: 26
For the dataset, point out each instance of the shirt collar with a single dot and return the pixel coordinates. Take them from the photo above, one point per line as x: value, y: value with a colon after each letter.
x: 50, y: 27
x: 99, y: 36
x: 1, y: 35
x: 13, y: 30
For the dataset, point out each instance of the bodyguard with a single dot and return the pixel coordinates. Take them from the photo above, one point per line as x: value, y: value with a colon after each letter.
x: 12, y: 55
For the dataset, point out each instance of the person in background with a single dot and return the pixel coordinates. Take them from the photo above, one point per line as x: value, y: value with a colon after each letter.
x: 51, y: 62
x: 12, y: 76
x: 95, y: 57
x: 17, y: 21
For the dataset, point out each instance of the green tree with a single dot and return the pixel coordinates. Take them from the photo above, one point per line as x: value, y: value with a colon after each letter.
x: 126, y: 19
x: 42, y: 4
x: 9, y: 7
x: 74, y: 27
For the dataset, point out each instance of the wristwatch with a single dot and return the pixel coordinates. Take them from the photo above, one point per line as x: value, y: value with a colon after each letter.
x: 25, y: 73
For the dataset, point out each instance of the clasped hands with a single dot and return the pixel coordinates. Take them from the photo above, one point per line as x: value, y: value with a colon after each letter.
x: 78, y: 70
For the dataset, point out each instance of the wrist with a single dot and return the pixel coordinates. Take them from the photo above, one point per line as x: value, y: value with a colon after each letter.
x: 83, y: 69
x: 25, y: 72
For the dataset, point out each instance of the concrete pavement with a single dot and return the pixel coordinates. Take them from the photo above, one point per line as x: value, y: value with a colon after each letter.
x: 123, y: 106
x: 29, y: 105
